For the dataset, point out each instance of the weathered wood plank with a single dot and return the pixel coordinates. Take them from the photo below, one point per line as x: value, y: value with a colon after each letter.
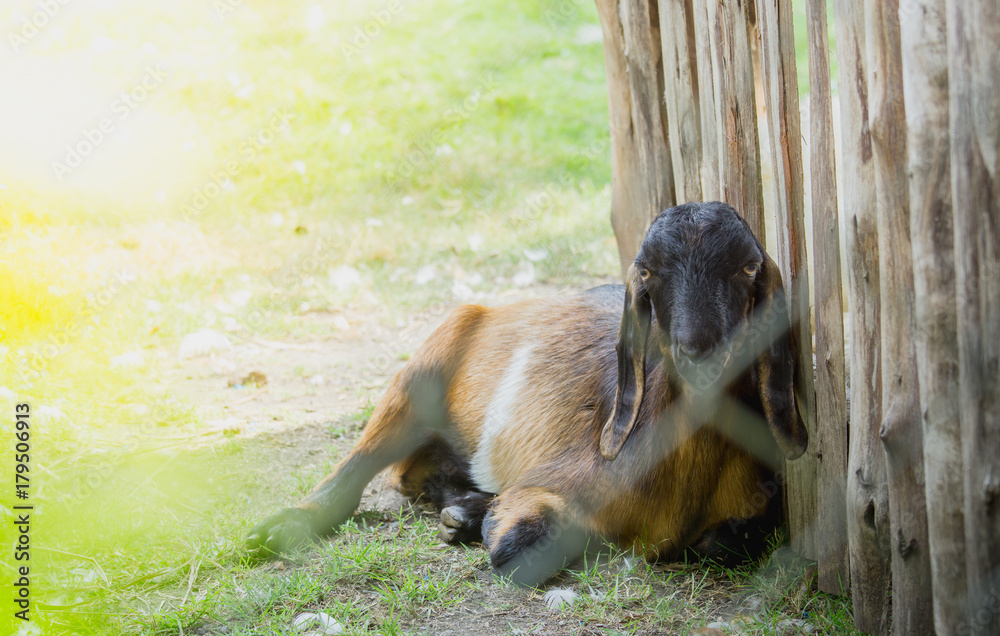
x: 867, y: 492
x: 924, y: 44
x: 901, y: 433
x: 706, y: 31
x: 831, y: 400
x: 740, y: 153
x: 680, y: 75
x: 781, y: 98
x: 974, y: 101
x: 642, y: 182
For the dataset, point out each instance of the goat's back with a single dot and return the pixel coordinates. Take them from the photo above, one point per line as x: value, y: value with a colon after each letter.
x: 532, y: 382
x: 528, y: 394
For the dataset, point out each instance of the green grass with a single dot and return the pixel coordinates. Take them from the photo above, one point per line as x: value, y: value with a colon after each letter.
x: 509, y: 131
x: 443, y: 129
x: 463, y: 146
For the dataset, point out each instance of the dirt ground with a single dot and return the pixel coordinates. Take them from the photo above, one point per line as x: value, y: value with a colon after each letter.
x: 297, y: 406
x: 309, y: 382
x: 285, y: 398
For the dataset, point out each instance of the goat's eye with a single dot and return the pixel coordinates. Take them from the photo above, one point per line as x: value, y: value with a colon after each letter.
x: 643, y: 273
x: 751, y: 269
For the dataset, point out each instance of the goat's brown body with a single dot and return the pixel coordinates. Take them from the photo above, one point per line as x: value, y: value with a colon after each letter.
x: 538, y: 425
x: 673, y: 481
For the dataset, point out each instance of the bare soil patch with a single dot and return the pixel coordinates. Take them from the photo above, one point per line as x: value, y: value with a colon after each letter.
x: 310, y: 412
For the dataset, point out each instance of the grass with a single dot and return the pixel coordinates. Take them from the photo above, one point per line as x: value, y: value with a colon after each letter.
x: 281, y: 178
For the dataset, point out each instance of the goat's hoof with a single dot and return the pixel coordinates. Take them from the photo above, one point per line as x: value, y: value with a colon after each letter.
x: 453, y: 519
x: 280, y: 533
x: 446, y: 534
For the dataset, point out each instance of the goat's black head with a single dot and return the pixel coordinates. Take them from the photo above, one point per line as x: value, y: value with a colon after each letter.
x: 714, y: 291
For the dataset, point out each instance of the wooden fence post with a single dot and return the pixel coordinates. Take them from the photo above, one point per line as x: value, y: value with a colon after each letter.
x: 831, y: 399
x: 902, y: 437
x: 918, y: 198
x: 642, y: 183
x: 740, y: 143
x: 974, y: 101
x: 867, y: 494
x: 781, y: 96
x: 923, y: 37
x: 708, y: 108
x: 680, y: 75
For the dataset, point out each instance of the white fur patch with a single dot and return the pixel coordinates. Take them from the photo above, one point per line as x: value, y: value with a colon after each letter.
x: 499, y: 415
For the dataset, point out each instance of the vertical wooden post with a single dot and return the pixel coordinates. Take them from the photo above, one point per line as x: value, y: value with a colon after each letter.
x: 680, y: 75
x: 867, y: 494
x: 642, y: 183
x: 924, y: 44
x: 974, y: 77
x: 781, y: 98
x: 831, y: 399
x: 902, y: 437
x: 741, y: 146
x: 706, y: 33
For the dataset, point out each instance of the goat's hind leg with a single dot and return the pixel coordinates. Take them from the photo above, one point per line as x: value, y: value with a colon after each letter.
x: 412, y: 410
x: 531, y: 534
x: 462, y: 516
x: 439, y: 474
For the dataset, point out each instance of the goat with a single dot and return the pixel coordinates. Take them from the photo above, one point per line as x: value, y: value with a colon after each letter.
x: 538, y: 425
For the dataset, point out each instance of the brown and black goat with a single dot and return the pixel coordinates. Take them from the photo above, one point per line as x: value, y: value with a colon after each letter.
x: 539, y: 425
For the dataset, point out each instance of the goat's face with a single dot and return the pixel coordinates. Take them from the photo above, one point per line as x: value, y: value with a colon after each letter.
x: 699, y: 265
x: 709, y: 282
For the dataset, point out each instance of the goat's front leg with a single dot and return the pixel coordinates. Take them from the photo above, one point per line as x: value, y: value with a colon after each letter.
x: 462, y: 516
x: 411, y: 412
x: 531, y: 534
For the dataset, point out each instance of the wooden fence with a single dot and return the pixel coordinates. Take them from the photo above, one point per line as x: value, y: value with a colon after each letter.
x: 898, y: 495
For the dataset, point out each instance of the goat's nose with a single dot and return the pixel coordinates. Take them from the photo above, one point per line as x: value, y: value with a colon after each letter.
x: 694, y: 352
x: 695, y: 344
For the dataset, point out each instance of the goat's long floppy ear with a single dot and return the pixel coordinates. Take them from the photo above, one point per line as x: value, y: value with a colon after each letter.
x: 631, y: 348
x: 776, y: 364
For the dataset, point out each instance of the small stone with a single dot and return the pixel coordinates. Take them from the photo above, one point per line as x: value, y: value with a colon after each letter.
x: 559, y: 599
x: 128, y: 359
x: 344, y: 277
x: 325, y: 622
x: 203, y: 342
x: 793, y: 626
x: 425, y: 275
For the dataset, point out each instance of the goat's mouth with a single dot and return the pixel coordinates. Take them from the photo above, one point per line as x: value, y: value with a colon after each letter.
x: 720, y: 365
x: 704, y: 373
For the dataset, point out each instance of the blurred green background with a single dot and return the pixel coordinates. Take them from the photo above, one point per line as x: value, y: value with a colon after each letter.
x: 240, y: 165
x: 178, y: 165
